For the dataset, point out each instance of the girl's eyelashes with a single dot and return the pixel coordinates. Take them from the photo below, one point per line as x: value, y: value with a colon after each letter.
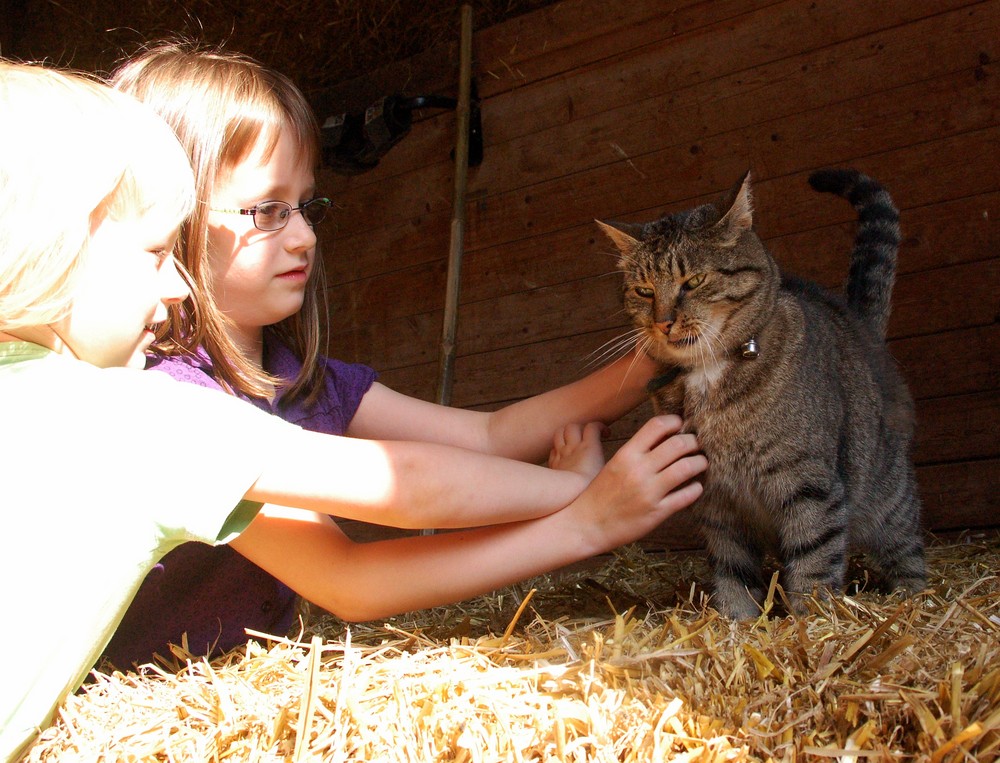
x: 161, y: 255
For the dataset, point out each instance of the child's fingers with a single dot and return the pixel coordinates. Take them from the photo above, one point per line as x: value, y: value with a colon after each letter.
x: 593, y: 432
x: 683, y: 470
x: 681, y: 497
x: 574, y: 434
x: 559, y: 439
x: 675, y: 463
x: 674, y: 448
x: 654, y: 431
x: 564, y: 440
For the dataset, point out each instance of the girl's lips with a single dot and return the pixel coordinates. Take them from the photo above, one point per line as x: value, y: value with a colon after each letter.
x: 294, y: 275
x: 148, y: 337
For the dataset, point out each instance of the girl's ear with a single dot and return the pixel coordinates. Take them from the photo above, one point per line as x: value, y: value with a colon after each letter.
x: 624, y: 235
x: 738, y: 218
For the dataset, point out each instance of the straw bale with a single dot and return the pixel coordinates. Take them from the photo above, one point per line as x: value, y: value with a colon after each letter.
x: 625, y: 661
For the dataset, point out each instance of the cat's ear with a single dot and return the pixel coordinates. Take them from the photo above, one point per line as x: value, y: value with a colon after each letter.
x: 738, y: 217
x: 624, y: 235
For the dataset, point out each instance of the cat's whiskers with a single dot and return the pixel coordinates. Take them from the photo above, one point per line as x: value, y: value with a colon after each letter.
x: 640, y: 352
x: 614, y: 348
x: 615, y: 273
x: 713, y: 338
x: 628, y: 334
x: 617, y: 254
x: 632, y: 263
x: 706, y: 371
x: 703, y: 348
x: 711, y: 350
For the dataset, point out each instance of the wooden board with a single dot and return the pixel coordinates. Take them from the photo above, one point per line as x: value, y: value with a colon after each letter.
x: 628, y: 111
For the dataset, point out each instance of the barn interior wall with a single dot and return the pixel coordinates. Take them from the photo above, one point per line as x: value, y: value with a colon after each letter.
x: 630, y: 110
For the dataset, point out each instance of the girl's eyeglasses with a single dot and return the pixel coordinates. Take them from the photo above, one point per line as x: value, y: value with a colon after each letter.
x: 274, y: 215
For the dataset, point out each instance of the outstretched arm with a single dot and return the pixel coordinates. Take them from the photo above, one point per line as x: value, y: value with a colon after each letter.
x: 522, y: 430
x: 406, y: 484
x: 644, y: 483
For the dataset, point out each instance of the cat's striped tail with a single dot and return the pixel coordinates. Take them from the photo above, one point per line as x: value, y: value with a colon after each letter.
x: 876, y: 245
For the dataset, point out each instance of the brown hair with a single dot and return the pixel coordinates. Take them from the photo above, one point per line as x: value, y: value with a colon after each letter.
x: 221, y: 104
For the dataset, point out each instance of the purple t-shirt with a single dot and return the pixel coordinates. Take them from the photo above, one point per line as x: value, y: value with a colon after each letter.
x: 212, y: 593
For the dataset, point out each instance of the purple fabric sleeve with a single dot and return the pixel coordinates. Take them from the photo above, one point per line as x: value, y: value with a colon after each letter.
x: 346, y: 385
x: 212, y: 593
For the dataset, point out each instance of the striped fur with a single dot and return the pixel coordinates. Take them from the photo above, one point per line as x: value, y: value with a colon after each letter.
x: 809, y: 443
x: 873, y: 263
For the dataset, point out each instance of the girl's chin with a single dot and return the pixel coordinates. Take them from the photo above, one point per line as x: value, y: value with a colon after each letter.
x: 138, y: 357
x: 137, y: 360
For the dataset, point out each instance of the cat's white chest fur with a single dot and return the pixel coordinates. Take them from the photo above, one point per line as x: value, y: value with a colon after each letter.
x: 699, y: 381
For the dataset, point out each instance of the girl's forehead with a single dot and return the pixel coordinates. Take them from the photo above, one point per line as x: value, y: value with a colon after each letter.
x: 283, y: 165
x: 153, y: 227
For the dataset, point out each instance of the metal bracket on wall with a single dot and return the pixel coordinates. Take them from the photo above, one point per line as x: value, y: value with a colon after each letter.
x: 353, y: 143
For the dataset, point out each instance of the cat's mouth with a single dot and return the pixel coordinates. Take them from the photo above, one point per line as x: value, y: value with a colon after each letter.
x: 684, y: 341
x: 676, y: 347
x: 678, y: 342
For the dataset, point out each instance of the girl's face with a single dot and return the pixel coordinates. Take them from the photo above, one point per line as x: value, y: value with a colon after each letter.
x: 127, y: 280
x: 259, y: 277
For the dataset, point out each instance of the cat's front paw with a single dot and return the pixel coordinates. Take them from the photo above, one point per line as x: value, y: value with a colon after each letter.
x: 736, y: 601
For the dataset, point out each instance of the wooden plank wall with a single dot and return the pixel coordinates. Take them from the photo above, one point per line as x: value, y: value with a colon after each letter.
x: 628, y: 110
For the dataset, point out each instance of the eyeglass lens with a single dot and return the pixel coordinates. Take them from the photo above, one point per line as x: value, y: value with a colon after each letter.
x: 273, y: 215
x: 315, y: 210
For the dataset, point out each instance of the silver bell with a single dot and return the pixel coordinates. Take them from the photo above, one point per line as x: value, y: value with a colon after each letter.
x: 751, y: 349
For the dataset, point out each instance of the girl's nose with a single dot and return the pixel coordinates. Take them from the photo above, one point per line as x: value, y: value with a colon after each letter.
x: 175, y: 288
x: 301, y: 235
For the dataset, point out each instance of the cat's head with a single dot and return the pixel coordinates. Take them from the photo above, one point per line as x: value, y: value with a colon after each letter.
x: 699, y: 283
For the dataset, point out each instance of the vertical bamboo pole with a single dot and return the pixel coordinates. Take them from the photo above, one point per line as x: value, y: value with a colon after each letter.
x: 449, y: 330
x: 446, y: 365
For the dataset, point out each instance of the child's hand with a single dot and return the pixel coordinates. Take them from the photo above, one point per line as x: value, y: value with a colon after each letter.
x: 645, y: 482
x: 578, y: 448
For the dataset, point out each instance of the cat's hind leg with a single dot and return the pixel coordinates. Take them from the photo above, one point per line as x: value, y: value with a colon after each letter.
x: 896, y: 550
x: 902, y: 567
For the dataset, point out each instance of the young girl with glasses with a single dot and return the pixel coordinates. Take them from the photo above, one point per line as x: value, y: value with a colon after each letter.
x: 251, y: 248
x: 106, y: 468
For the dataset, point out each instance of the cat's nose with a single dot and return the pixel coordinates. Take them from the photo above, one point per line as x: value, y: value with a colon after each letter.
x: 665, y: 320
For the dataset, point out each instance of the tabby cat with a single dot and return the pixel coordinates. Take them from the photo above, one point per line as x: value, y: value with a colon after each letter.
x: 797, y: 404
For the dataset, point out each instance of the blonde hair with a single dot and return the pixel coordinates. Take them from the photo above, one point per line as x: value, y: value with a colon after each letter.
x: 72, y: 153
x: 221, y: 105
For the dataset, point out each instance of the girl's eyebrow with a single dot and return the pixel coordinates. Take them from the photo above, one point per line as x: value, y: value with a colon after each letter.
x: 277, y: 193
x: 268, y: 194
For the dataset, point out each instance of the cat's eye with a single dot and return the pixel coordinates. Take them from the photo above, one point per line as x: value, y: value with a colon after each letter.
x: 643, y: 291
x: 695, y: 281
